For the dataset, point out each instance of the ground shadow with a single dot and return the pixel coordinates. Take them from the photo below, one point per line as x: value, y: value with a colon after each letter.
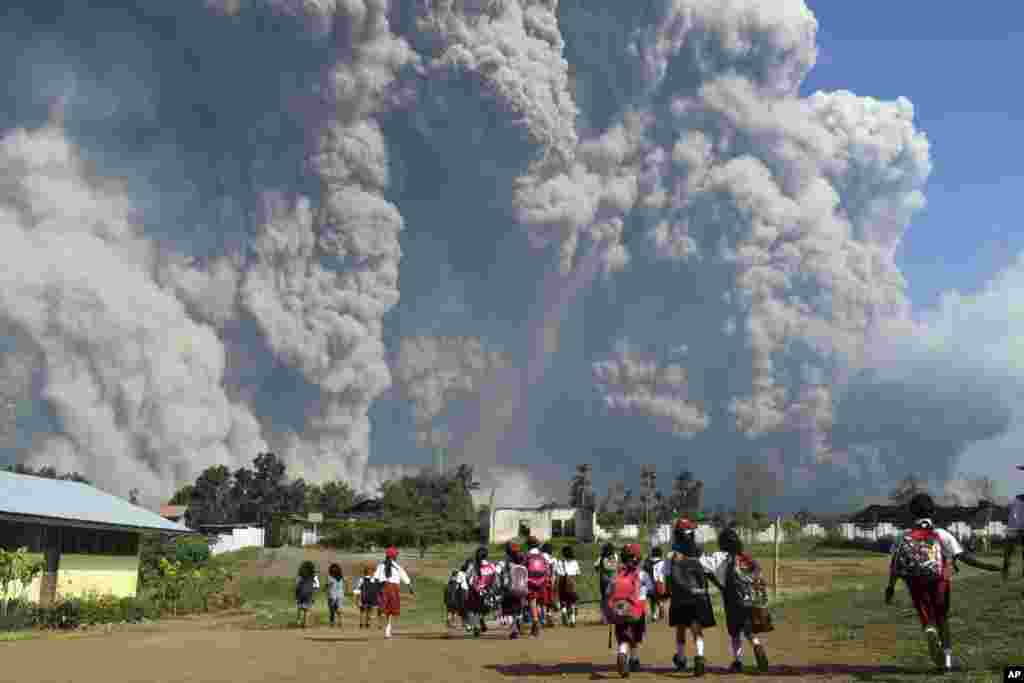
x: 337, y: 639
x: 608, y: 669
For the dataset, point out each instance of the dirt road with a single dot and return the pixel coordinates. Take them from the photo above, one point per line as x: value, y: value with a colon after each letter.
x: 211, y: 651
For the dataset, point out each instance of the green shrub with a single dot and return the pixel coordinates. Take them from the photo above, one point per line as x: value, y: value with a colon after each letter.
x: 20, y: 614
x: 194, y: 552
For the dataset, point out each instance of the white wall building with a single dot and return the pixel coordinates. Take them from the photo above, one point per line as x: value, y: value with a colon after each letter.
x: 505, y: 524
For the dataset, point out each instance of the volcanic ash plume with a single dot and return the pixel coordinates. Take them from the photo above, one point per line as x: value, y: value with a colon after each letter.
x: 433, y: 371
x: 134, y: 382
x: 637, y: 386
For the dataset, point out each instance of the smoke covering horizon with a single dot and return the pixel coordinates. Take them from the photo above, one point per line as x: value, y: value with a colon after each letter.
x: 535, y: 233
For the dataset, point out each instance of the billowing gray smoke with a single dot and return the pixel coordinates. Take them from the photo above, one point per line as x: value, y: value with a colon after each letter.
x: 654, y: 183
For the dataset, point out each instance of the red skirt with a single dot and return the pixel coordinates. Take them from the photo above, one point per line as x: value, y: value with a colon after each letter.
x: 567, y: 590
x: 391, y: 599
x: 931, y: 599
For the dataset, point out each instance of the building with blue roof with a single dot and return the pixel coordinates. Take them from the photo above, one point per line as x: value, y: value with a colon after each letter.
x: 87, y: 538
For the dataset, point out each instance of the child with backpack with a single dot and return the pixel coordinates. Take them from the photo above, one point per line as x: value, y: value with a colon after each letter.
x: 481, y: 578
x: 1014, y: 535
x: 455, y: 596
x: 367, y: 596
x: 335, y: 591
x: 690, y: 607
x: 655, y: 566
x: 537, y: 569
x: 547, y: 606
x: 567, y: 571
x: 925, y: 558
x: 515, y: 582
x: 306, y: 586
x: 606, y: 567
x: 626, y: 606
x: 391, y: 576
x: 739, y: 579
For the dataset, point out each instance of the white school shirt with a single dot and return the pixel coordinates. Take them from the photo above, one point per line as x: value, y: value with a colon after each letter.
x: 716, y: 563
x: 951, y: 547
x: 398, y: 574
x: 463, y: 580
x: 1016, y: 518
x: 359, y: 584
x: 659, y: 571
x: 567, y: 568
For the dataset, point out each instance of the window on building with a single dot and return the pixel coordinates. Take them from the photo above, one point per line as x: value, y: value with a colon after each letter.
x: 556, y: 528
x: 524, y: 528
x: 14, y: 535
x: 569, y: 528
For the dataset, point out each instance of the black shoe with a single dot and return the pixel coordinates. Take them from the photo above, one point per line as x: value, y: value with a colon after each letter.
x: 634, y: 664
x: 476, y: 632
x: 698, y: 665
x: 514, y: 634
x: 679, y: 662
x: 762, y: 658
x: 623, y: 666
x: 736, y: 667
x: 483, y: 627
x: 535, y: 630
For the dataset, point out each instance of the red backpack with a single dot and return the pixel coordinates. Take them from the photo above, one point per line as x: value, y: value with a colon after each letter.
x: 537, y: 568
x: 624, y: 605
x: 484, y: 579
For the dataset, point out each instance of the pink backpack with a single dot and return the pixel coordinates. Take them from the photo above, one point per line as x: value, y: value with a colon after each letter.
x: 537, y: 567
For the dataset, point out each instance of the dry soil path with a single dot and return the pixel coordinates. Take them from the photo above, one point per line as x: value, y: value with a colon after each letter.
x: 207, y: 651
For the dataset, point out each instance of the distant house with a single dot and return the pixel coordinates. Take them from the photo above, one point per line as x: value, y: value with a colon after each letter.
x: 88, y: 539
x: 371, y: 508
x: 504, y: 524
x: 878, y: 520
x: 226, y: 538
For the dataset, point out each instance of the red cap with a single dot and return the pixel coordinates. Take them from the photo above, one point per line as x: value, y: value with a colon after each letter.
x: 391, y: 553
x: 686, y: 524
x: 633, y: 549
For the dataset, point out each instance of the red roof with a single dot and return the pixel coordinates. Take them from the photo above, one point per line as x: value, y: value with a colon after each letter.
x: 172, y: 511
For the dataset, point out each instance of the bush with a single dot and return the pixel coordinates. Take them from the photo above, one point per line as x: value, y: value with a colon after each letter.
x: 194, y: 552
x: 19, y: 614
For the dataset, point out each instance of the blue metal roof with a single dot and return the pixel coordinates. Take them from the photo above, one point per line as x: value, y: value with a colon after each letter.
x: 75, y: 502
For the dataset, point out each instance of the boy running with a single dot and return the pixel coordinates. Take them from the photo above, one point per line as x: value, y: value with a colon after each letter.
x: 925, y: 558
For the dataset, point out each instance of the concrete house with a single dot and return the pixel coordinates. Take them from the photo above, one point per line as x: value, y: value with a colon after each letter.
x: 505, y: 524
x: 88, y: 539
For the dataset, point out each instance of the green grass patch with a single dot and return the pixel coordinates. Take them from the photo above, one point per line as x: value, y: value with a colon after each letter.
x: 987, y: 623
x: 14, y: 636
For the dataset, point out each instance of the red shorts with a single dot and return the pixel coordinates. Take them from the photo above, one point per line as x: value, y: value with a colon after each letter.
x: 391, y: 599
x: 537, y: 595
x: 931, y: 599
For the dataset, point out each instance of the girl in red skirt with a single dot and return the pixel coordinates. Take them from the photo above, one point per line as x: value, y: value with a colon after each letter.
x: 930, y: 594
x: 392, y: 576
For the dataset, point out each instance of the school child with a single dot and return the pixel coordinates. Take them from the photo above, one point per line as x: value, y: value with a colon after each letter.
x: 537, y: 575
x: 502, y: 565
x: 606, y: 566
x: 547, y: 606
x: 335, y: 591
x: 1014, y: 535
x: 455, y: 596
x: 481, y: 579
x: 626, y: 605
x: 392, y: 576
x: 686, y: 583
x: 367, y: 595
x: 567, y: 571
x: 925, y: 558
x: 306, y: 586
x: 738, y: 577
x: 516, y: 589
x: 655, y: 567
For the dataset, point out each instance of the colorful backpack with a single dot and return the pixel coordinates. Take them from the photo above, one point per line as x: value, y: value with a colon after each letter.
x: 537, y: 567
x: 624, y: 605
x: 453, y: 598
x: 518, y: 581
x: 742, y: 581
x: 918, y: 555
x: 484, y: 579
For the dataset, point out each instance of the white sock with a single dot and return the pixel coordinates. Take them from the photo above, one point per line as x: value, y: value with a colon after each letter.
x: 387, y: 630
x: 681, y: 650
x: 737, y: 647
x: 700, y: 646
x: 949, y: 657
x: 624, y: 648
x: 755, y: 640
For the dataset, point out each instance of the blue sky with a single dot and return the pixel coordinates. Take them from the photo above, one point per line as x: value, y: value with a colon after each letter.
x: 952, y: 64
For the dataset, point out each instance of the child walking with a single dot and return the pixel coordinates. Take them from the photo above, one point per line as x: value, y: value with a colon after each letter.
x: 515, y: 584
x: 537, y: 576
x: 481, y: 577
x: 1014, y: 535
x: 455, y: 596
x: 685, y: 576
x: 606, y: 567
x: 655, y: 566
x: 626, y: 607
x: 567, y: 570
x: 392, y: 576
x: 548, y: 604
x: 366, y: 593
x: 738, y: 577
x: 306, y: 587
x: 925, y: 558
x: 335, y: 591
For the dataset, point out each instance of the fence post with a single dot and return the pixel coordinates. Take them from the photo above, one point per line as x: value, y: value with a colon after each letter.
x: 775, y: 564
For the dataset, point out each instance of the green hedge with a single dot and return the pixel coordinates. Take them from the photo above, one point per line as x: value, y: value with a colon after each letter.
x: 71, y: 613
